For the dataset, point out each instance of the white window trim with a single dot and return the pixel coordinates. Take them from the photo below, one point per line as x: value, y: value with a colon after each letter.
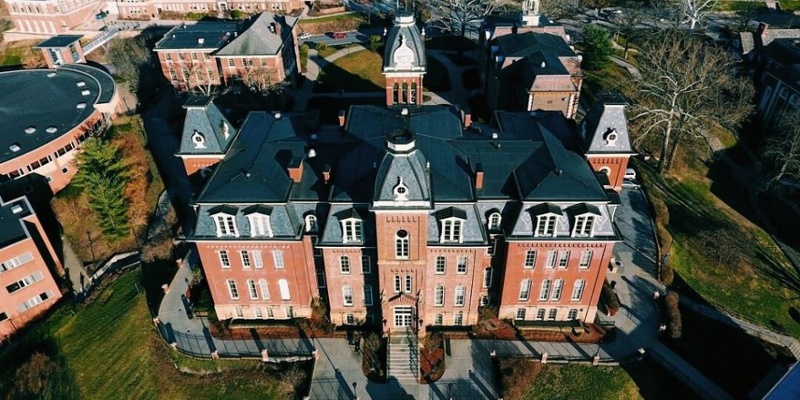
x: 260, y: 225
x: 311, y: 223
x: 495, y: 220
x: 546, y: 221
x: 436, y: 265
x: 563, y: 259
x: 525, y: 289
x: 557, y: 290
x: 577, y: 290
x: 258, y: 261
x: 221, y: 220
x: 459, y: 263
x: 351, y: 226
x: 461, y: 292
x: 345, y: 261
x: 264, y: 286
x: 438, y: 296
x: 347, y: 295
x: 231, y: 284
x: 544, y: 291
x: 402, y: 246
x: 449, y: 232
x: 586, y: 259
x: 252, y: 289
x: 277, y: 259
x: 225, y: 261
x: 529, y: 255
x: 581, y: 222
x: 488, y: 273
x: 246, y: 261
x: 366, y: 261
x: 283, y: 285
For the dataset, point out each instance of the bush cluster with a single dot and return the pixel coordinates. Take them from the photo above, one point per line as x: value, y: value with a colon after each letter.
x: 674, y: 323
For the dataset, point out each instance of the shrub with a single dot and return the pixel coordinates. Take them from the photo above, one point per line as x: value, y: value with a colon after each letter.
x: 674, y: 324
x: 304, y: 56
x: 375, y: 42
x: 321, y: 46
x: 610, y: 298
x: 237, y: 14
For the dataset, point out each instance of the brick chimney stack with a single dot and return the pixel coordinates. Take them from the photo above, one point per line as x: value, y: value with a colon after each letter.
x: 478, y: 176
x: 295, y: 169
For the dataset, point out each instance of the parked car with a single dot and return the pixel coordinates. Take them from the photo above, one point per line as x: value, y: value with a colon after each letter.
x: 340, y: 35
x: 304, y: 35
x: 630, y: 174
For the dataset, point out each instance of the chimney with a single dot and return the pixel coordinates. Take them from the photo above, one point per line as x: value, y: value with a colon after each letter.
x: 295, y: 169
x: 467, y: 119
x: 326, y: 173
x: 478, y: 176
x: 342, y: 114
x: 278, y: 29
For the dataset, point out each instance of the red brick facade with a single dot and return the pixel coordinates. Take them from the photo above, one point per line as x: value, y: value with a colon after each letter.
x: 613, y: 166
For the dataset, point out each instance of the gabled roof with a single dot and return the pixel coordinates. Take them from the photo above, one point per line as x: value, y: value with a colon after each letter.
x: 204, y: 118
x: 260, y: 36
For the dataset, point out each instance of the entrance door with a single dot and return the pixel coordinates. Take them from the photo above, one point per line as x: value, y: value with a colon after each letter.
x: 402, y: 316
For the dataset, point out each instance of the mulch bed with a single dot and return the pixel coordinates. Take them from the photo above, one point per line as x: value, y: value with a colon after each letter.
x: 503, y: 330
x: 431, y: 358
x: 221, y: 330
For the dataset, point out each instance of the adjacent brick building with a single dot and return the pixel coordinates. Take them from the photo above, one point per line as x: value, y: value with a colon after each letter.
x: 206, y: 136
x: 259, y: 52
x: 28, y: 267
x: 49, y: 17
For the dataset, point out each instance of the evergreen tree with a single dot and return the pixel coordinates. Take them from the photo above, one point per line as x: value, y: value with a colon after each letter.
x: 102, y: 176
x: 597, y: 47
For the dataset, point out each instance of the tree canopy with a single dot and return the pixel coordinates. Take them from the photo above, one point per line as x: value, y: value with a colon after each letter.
x: 597, y: 47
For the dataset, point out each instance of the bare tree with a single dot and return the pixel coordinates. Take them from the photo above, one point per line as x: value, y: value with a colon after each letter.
x: 455, y: 15
x: 684, y: 88
x: 197, y: 78
x: 782, y: 151
x: 628, y: 22
x: 696, y: 10
x: 560, y: 9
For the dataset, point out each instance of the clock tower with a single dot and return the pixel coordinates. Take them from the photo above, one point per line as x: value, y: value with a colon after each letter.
x: 404, y: 61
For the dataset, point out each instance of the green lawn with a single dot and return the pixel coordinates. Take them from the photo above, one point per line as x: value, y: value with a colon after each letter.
x: 583, y: 382
x: 110, y: 350
x: 356, y: 72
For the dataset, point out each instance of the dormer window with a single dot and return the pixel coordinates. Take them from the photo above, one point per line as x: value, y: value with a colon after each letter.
x: 611, y: 137
x: 583, y: 219
x: 494, y: 221
x: 400, y: 190
x: 351, y: 230
x: 226, y: 224
x: 311, y: 223
x: 259, y: 217
x: 199, y: 140
x: 546, y: 215
x: 451, y: 221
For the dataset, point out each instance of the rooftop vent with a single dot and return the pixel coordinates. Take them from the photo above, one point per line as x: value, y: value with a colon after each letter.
x: 81, y: 105
x: 277, y: 115
x: 29, y: 130
x: 85, y: 92
x: 495, y: 135
x: 14, y: 147
x: 201, y: 40
x: 312, y: 153
x: 81, y: 83
x: 51, y: 129
x: 16, y: 209
x: 404, y: 111
x: 314, y: 136
x: 51, y: 75
x: 544, y: 64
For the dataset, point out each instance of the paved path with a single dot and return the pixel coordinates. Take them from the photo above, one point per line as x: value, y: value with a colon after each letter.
x: 74, y: 268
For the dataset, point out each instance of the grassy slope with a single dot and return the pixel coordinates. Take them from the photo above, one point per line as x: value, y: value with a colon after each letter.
x: 583, y: 381
x: 112, y: 352
x: 357, y: 72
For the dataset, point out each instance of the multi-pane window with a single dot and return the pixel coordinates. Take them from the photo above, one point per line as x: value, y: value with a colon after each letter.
x: 289, y: 311
x: 16, y: 261
x: 558, y: 286
x: 366, y: 264
x: 494, y: 221
x: 344, y: 264
x: 233, y: 292
x: 24, y: 282
x: 259, y: 225
x: 438, y: 296
x: 545, y: 290
x: 487, y: 277
x: 551, y: 259
x: 441, y: 262
x: 586, y: 259
x: 223, y: 259
x: 350, y: 319
x: 525, y: 289
x: 563, y: 259
x: 551, y: 316
x: 484, y: 300
x: 398, y: 287
x: 239, y: 312
x: 461, y: 292
x: 270, y: 313
x: 458, y: 320
x: 264, y: 289
x: 573, y: 314
x: 321, y: 278
x: 520, y: 314
x: 347, y: 295
x: 438, y: 319
x: 251, y: 286
x: 367, y: 295
x: 226, y: 225
x: 283, y: 285
x: 401, y: 245
x: 540, y: 314
x: 258, y: 313
x: 545, y: 225
x: 408, y: 283
x: 351, y: 230
x: 577, y: 290
x: 257, y: 260
x: 583, y: 225
x: 245, y: 259
x: 461, y: 267
x: 451, y: 230
x: 277, y: 258
x: 530, y: 259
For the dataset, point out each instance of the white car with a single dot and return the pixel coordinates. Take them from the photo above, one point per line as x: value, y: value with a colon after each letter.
x: 630, y: 174
x: 304, y: 35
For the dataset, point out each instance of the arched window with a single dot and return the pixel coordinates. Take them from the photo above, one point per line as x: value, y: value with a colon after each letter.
x: 264, y: 289
x: 283, y: 285
x: 605, y: 170
x: 347, y: 295
x: 401, y: 245
x: 251, y: 286
x: 311, y: 223
x: 438, y: 296
x: 558, y: 285
x: 396, y: 93
x: 398, y: 284
x: 525, y: 289
x: 413, y: 93
x: 494, y: 221
x: 461, y: 292
x: 577, y: 290
x: 545, y: 290
x: 404, y: 94
x: 233, y: 292
x: 487, y: 277
x: 408, y: 283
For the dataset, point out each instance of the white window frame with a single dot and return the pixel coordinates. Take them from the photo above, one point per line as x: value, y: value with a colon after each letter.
x: 347, y: 295
x: 245, y: 259
x: 544, y: 292
x: 530, y: 259
x: 233, y: 291
x: 252, y: 289
x: 311, y: 223
x: 401, y: 245
x: 520, y: 316
x: 584, y: 225
x: 442, y: 264
x: 563, y: 259
x: 270, y: 312
x: 573, y: 314
x: 277, y: 259
x: 540, y: 314
x: 577, y: 290
x: 460, y: 295
x: 258, y: 261
x: 259, y: 225
x: 367, y: 295
x: 494, y: 221
x: 546, y: 225
x: 289, y: 311
x: 586, y: 259
x: 558, y: 287
x: 458, y: 319
x: 488, y: 272
x: 438, y: 296
x: 525, y: 289
x: 452, y: 230
x: 552, y: 314
x: 226, y: 225
x: 462, y: 265
x: 551, y: 259
x: 352, y: 230
x: 344, y: 265
x: 283, y: 285
x: 258, y: 313
x: 398, y: 284
x: 349, y: 319
x: 224, y: 259
x: 264, y: 286
x: 409, y: 284
x: 438, y: 320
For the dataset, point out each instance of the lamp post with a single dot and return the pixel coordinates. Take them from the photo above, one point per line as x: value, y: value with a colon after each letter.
x: 450, y: 391
x: 91, y: 246
x: 355, y: 393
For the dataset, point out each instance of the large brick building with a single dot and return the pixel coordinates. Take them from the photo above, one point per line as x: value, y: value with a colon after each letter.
x: 48, y: 17
x: 28, y: 265
x: 412, y: 216
x: 261, y: 51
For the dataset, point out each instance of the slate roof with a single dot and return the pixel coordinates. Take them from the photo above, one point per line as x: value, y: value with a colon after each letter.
x: 524, y: 44
x: 204, y: 118
x: 188, y: 37
x: 606, y: 115
x: 404, y: 32
x: 43, y: 99
x: 258, y: 38
x: 58, y: 41
x: 13, y: 230
x: 747, y: 41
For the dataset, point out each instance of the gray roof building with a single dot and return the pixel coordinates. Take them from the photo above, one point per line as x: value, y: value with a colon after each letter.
x: 204, y: 35
x: 205, y: 128
x: 260, y: 36
x: 405, y: 46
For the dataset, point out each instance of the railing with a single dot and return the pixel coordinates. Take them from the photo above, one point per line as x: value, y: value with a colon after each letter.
x: 100, y: 40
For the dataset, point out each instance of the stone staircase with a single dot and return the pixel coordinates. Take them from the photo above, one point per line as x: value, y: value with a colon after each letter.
x: 403, y: 355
